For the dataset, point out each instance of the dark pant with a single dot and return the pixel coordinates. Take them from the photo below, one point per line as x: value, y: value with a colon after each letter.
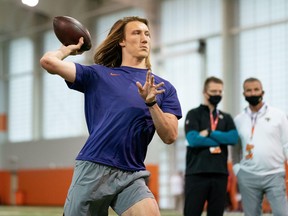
x: 200, y: 188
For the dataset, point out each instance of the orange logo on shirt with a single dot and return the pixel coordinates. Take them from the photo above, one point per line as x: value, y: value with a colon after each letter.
x: 114, y: 74
x: 249, y: 151
x: 215, y: 150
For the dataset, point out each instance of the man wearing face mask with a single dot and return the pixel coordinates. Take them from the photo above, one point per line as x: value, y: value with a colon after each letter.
x: 263, y: 131
x: 208, y: 132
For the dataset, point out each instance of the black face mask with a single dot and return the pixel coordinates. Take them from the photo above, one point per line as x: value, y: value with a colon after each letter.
x: 254, y: 100
x: 214, y: 99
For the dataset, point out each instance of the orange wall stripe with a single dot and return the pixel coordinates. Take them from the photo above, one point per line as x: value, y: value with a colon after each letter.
x: 3, y: 122
x: 43, y: 187
x: 153, y: 181
x: 5, y: 186
x: 48, y: 187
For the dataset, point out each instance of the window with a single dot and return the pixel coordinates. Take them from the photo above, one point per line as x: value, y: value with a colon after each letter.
x: 255, y: 12
x: 104, y: 23
x: 63, y: 108
x: 191, y: 19
x: 20, y: 116
x: 262, y: 48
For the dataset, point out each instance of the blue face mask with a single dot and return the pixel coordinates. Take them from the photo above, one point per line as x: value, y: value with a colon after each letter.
x: 215, y: 99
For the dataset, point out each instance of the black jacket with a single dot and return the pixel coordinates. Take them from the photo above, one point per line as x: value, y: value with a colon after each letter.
x: 199, y: 159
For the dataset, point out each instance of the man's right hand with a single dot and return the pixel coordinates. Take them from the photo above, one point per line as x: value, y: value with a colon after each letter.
x: 204, y: 133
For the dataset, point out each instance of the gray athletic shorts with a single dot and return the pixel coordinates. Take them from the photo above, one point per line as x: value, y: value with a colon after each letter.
x: 95, y: 187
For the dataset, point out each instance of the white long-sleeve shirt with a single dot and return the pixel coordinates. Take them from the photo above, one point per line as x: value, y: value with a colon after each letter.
x: 269, y: 140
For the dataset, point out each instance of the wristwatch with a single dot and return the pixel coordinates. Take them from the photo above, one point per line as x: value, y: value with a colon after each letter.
x: 151, y: 103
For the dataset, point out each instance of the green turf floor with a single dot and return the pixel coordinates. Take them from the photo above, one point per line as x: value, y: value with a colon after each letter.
x: 51, y: 211
x: 30, y: 211
x: 57, y: 211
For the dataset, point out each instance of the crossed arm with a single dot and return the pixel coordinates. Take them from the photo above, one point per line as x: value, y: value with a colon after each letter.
x: 201, y: 139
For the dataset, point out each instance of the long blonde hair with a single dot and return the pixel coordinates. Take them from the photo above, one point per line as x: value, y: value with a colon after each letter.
x: 109, y: 52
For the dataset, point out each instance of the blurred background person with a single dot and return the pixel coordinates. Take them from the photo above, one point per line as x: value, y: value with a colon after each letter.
x: 264, y: 142
x: 177, y: 190
x: 208, y: 131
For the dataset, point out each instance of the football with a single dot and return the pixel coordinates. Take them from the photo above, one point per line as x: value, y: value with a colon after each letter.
x: 68, y: 30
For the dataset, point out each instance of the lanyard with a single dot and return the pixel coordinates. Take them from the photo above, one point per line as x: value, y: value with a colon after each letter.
x: 253, y: 122
x: 254, y: 119
x: 214, y: 122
